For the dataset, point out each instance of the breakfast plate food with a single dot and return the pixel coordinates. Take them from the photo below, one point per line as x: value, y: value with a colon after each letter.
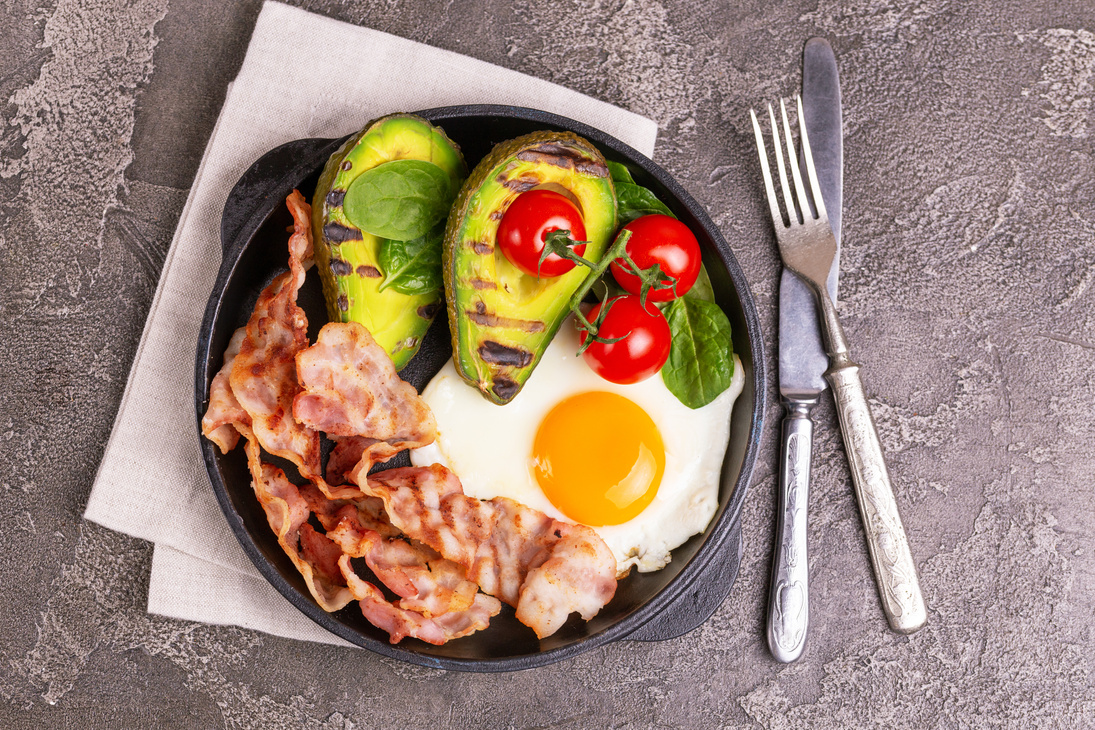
x: 506, y: 367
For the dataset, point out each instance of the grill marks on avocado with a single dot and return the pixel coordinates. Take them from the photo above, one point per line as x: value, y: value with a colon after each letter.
x: 350, y: 260
x: 505, y: 388
x: 428, y: 311
x: 518, y: 184
x: 338, y: 233
x: 499, y: 354
x: 484, y: 318
x: 566, y: 157
x: 501, y: 319
x: 483, y: 249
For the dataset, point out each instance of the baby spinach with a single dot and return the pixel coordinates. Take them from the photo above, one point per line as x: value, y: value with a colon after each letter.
x: 633, y: 200
x: 620, y: 173
x: 399, y: 200
x: 413, y: 267
x: 702, y: 289
x: 701, y: 359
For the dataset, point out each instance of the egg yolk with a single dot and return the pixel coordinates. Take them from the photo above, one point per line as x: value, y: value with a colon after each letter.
x: 598, y: 458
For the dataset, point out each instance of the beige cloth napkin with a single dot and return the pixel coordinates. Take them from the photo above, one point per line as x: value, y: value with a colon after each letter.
x: 304, y: 76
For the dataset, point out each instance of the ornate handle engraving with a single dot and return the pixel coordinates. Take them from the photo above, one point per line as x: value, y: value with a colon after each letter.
x: 894, y: 569
x: 789, y: 604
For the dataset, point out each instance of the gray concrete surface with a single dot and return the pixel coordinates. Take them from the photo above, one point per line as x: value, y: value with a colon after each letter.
x: 967, y: 291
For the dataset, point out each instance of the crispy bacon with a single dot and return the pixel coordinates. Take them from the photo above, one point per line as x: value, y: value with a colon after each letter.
x: 363, y: 513
x: 224, y: 410
x: 314, y: 555
x: 352, y: 392
x: 345, y: 455
x: 579, y: 575
x: 300, y: 243
x: 545, y: 568
x: 263, y: 377
x: 279, y: 393
x: 426, y: 582
x: 399, y: 622
x: 321, y: 552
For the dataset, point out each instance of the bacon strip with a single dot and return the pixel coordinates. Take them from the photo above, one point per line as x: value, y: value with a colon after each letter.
x: 426, y: 583
x: 399, y: 622
x: 348, y: 387
x: 314, y: 555
x: 349, y: 451
x: 363, y: 513
x: 579, y: 575
x: 263, y: 377
x: 351, y: 391
x: 322, y: 553
x: 545, y: 568
x: 224, y: 411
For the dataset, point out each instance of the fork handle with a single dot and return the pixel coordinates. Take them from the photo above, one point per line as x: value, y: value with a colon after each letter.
x: 789, y: 596
x: 894, y: 569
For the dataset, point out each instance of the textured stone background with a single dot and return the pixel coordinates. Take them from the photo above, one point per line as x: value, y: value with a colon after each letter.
x: 967, y: 292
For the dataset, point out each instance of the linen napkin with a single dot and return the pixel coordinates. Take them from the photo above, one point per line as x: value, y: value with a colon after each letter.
x: 303, y: 76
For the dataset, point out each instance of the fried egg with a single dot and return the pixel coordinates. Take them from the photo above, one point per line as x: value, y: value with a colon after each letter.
x: 630, y: 461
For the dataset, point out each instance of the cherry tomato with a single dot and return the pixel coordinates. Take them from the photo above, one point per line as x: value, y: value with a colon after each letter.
x: 659, y: 239
x: 643, y: 349
x: 525, y: 226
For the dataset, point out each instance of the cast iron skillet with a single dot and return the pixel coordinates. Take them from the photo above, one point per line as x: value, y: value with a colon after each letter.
x: 649, y: 606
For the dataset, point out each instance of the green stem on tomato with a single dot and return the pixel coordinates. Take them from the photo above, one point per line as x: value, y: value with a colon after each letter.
x: 560, y: 243
x: 649, y: 279
x: 592, y: 329
x: 598, y: 269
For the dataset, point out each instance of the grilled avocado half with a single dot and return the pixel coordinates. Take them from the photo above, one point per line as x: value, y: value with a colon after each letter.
x: 502, y: 319
x: 350, y: 260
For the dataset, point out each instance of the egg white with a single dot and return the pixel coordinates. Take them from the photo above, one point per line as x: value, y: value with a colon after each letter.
x: 489, y: 447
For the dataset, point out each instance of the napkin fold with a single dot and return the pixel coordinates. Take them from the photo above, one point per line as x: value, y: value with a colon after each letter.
x: 303, y: 76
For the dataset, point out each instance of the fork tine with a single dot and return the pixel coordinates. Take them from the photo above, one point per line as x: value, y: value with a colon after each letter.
x: 792, y: 216
x: 815, y: 188
x: 800, y: 189
x: 773, y: 203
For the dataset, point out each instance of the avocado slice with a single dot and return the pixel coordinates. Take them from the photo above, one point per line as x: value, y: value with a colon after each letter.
x: 349, y: 259
x: 501, y: 319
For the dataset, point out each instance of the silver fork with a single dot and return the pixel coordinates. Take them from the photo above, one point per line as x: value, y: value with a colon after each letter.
x: 807, y: 247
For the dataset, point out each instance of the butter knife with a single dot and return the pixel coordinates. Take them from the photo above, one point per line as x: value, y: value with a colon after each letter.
x: 802, y: 364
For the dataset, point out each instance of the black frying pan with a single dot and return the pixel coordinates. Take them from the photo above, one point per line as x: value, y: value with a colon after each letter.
x: 647, y: 606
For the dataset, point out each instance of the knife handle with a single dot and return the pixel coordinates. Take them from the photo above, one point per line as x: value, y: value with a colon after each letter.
x: 789, y: 598
x: 894, y: 569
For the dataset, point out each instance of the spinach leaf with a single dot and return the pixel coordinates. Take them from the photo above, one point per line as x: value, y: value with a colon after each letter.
x: 620, y: 173
x: 701, y: 359
x: 702, y: 289
x: 635, y: 201
x: 413, y: 267
x: 399, y: 200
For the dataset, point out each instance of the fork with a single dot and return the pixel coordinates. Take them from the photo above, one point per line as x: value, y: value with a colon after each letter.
x: 807, y: 247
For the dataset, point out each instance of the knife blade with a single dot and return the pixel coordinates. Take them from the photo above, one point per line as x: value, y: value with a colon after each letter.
x: 803, y: 361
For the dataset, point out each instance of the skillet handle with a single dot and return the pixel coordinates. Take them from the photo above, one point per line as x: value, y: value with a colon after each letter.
x: 701, y: 599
